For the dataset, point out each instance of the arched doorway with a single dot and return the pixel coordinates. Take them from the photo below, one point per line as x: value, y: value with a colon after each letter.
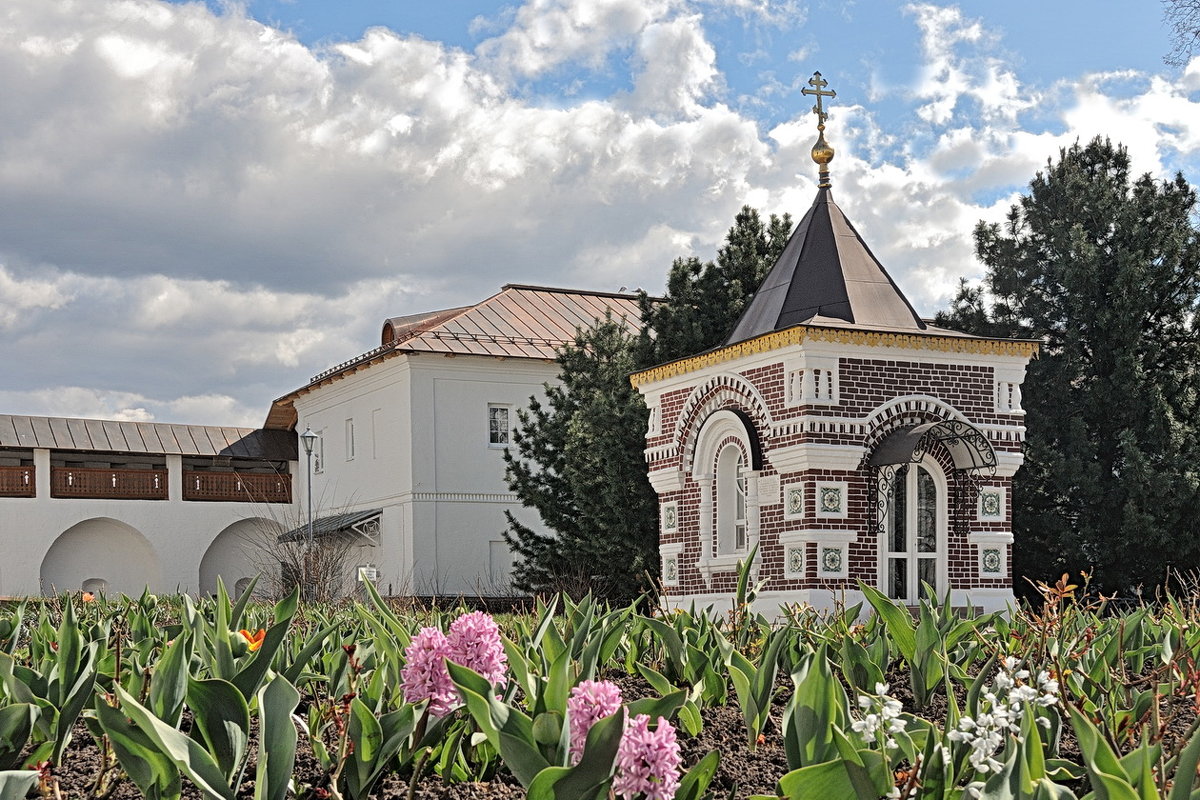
x: 101, y: 552
x: 242, y: 550
x: 912, y: 495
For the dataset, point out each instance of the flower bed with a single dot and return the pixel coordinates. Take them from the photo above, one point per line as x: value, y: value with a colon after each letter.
x: 174, y: 698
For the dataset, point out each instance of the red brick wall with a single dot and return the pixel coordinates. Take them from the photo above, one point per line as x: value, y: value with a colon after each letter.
x: 864, y: 385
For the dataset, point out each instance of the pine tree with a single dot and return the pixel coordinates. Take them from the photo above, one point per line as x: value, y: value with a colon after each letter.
x: 579, y: 464
x: 705, y: 299
x: 1105, y: 271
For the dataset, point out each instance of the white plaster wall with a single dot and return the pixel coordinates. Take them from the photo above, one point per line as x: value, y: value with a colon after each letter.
x: 178, y: 533
x: 775, y: 605
x: 459, y: 486
x: 429, y: 466
x: 377, y: 400
x: 242, y: 550
x: 104, y: 550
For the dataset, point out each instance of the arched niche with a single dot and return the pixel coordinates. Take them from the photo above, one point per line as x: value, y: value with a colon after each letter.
x: 102, y: 552
x: 238, y: 553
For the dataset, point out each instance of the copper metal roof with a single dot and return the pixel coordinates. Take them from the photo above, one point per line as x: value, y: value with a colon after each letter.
x: 517, y: 322
x: 111, y: 436
x: 826, y: 272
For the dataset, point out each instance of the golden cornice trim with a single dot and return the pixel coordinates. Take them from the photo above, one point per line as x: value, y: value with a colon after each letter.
x: 796, y: 335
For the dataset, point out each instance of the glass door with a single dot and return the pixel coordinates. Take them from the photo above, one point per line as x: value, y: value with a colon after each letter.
x: 913, y: 515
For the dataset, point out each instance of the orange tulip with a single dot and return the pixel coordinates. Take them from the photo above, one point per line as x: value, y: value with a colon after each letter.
x: 253, y: 640
x: 88, y: 597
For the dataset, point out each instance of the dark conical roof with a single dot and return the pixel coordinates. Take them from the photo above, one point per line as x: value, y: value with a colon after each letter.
x: 826, y: 275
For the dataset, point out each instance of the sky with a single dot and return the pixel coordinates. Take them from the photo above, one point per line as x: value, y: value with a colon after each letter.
x: 202, y: 205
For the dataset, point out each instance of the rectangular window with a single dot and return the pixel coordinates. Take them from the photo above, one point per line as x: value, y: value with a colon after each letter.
x: 498, y: 429
x: 349, y: 440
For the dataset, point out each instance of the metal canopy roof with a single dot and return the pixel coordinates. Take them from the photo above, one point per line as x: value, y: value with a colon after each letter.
x: 826, y: 272
x: 351, y: 521
x: 968, y: 447
x: 158, y: 438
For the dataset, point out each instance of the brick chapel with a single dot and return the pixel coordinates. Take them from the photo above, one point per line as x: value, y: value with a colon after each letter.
x: 839, y: 433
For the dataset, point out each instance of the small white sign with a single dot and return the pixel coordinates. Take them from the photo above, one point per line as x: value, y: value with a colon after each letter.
x: 368, y: 574
x: 768, y: 490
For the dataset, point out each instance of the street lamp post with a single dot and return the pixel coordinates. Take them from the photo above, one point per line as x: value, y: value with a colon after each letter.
x: 308, y: 439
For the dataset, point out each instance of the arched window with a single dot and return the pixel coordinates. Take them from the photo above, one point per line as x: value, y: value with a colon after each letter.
x: 915, y: 531
x: 731, y: 501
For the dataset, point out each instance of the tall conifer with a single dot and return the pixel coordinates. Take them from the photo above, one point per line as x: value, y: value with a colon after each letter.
x: 579, y: 463
x: 1104, y: 269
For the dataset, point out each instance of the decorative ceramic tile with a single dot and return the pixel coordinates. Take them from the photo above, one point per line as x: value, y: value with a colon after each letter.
x: 671, y: 569
x: 831, y: 560
x: 793, y: 501
x: 670, y: 516
x: 831, y: 500
x: 991, y: 504
x: 795, y: 560
x: 991, y: 562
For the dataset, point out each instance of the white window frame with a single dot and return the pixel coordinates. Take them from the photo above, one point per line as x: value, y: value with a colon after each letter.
x: 507, y: 409
x: 942, y: 520
x: 350, y: 439
x: 732, y: 516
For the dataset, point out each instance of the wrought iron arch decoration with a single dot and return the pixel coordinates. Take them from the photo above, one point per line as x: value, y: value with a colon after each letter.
x: 970, y: 452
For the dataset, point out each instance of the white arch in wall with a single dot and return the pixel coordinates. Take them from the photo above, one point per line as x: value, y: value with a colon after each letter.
x: 101, y: 549
x: 910, y: 409
x: 717, y: 428
x: 716, y: 393
x: 242, y: 550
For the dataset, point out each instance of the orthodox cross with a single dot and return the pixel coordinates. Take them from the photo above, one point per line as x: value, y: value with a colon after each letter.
x: 818, y: 83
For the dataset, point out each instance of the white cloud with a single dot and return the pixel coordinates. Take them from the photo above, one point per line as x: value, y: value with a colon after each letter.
x: 947, y: 76
x: 92, y: 403
x: 546, y: 34
x: 21, y: 298
x: 678, y: 68
x: 784, y: 14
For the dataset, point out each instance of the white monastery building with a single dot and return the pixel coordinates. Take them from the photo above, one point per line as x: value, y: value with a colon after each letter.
x: 408, y: 463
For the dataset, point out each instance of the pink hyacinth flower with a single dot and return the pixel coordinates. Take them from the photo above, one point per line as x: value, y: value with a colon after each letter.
x: 474, y: 642
x: 424, y: 676
x: 648, y: 761
x: 589, y: 702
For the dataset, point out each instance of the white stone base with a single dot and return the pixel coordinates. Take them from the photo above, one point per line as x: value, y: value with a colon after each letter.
x: 770, y: 603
